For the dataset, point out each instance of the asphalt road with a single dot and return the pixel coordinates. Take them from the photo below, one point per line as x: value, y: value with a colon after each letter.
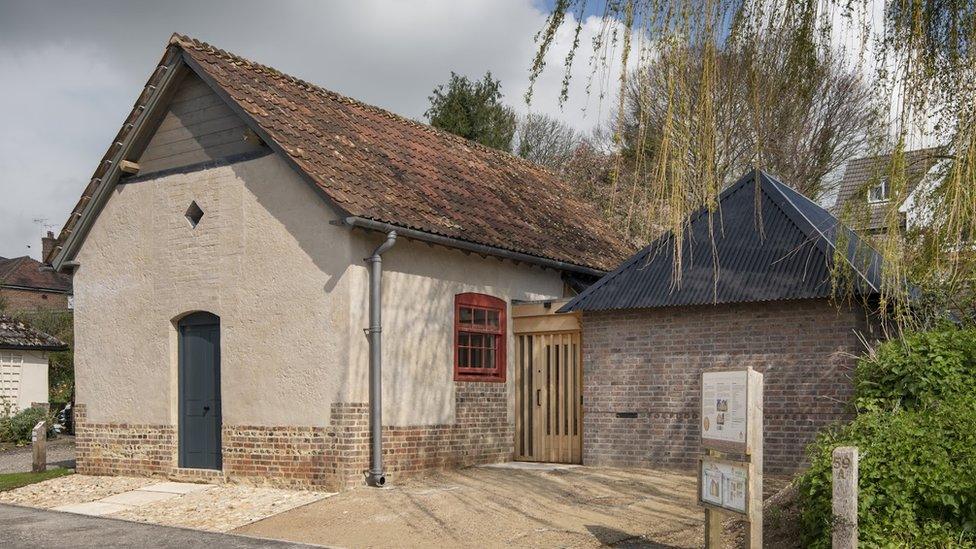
x: 38, y: 528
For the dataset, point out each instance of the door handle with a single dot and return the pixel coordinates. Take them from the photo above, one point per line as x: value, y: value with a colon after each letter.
x: 206, y: 409
x: 538, y: 393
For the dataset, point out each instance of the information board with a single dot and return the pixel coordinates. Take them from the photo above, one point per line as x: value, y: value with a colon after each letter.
x: 724, y: 484
x: 724, y: 412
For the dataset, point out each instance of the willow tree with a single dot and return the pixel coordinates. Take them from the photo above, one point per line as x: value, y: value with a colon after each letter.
x: 921, y: 59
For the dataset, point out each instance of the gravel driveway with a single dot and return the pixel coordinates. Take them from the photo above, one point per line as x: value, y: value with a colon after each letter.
x: 521, y: 506
x: 60, y: 453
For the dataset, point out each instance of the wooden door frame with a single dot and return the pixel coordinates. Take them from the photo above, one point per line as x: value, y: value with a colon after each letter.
x: 539, y: 318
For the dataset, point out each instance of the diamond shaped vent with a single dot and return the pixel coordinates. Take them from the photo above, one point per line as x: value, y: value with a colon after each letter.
x: 194, y: 214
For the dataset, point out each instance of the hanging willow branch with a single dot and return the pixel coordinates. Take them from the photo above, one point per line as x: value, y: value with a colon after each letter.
x: 712, y: 75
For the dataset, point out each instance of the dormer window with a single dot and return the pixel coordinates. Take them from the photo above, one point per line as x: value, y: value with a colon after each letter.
x: 879, y: 192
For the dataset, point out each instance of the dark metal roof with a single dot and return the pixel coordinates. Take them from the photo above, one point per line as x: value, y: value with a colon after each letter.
x: 791, y: 257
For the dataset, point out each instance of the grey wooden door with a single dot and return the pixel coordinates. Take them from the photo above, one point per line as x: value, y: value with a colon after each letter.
x: 199, y: 386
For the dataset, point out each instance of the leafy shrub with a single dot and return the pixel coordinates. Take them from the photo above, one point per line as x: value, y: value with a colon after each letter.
x: 17, y: 428
x: 915, y: 477
x: 916, y: 435
x: 917, y: 371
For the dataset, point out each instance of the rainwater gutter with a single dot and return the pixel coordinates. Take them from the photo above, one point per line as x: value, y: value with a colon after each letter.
x: 370, y: 224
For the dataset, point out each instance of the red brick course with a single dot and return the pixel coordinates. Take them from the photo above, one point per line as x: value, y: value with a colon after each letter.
x: 331, y: 458
x: 649, y: 362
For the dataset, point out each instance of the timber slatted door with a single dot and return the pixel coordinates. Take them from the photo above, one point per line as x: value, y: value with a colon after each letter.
x: 548, y: 397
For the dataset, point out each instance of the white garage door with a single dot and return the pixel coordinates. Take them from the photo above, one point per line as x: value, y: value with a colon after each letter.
x: 11, y: 365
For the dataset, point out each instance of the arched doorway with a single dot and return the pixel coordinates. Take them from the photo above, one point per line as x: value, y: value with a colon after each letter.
x: 199, y: 388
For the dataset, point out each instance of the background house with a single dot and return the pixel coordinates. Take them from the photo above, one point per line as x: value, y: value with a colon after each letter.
x: 28, y: 285
x: 866, y: 194
x: 760, y: 295
x: 23, y: 364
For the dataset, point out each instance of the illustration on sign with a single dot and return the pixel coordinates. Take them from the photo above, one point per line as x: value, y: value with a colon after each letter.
x: 724, y: 406
x: 724, y: 484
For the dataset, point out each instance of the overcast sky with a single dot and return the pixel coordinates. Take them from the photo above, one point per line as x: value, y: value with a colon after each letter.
x: 71, y: 71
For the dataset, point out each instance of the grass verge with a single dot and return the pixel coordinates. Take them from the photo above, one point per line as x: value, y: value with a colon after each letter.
x: 9, y: 481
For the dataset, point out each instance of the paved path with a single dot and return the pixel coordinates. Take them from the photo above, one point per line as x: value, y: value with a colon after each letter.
x: 25, y: 527
x: 60, y: 453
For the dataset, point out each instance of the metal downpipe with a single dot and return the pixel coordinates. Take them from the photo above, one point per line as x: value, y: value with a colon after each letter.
x: 375, y: 476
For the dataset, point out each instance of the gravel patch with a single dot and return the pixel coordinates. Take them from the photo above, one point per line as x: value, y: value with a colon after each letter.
x: 215, y: 508
x: 221, y: 508
x: 72, y: 489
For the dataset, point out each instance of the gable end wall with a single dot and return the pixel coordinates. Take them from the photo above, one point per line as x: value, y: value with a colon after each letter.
x: 197, y: 127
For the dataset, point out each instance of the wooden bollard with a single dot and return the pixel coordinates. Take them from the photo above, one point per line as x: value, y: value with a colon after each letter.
x: 39, y: 447
x: 845, y: 497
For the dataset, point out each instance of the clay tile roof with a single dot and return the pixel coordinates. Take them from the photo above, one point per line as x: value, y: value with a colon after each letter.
x: 374, y: 164
x: 27, y: 272
x: 381, y: 166
x: 14, y: 334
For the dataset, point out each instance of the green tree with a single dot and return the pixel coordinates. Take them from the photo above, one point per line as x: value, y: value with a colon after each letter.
x: 473, y: 110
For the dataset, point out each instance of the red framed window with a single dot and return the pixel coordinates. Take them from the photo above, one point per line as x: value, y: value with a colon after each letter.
x: 479, y: 338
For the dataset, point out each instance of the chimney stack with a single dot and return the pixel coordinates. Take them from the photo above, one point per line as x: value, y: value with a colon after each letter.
x: 47, y: 244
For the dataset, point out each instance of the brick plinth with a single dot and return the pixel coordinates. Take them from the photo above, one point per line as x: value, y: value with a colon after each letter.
x: 649, y: 362
x: 122, y: 448
x: 330, y: 458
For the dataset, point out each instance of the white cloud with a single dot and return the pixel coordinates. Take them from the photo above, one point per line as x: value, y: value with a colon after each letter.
x: 72, y: 71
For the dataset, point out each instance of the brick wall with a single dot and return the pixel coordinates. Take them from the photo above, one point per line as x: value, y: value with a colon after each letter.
x: 31, y: 300
x: 331, y: 458
x: 122, y: 448
x: 649, y: 362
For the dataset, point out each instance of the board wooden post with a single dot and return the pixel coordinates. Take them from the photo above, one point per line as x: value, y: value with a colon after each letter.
x: 39, y: 447
x: 755, y: 433
x: 844, y: 465
x: 730, y: 471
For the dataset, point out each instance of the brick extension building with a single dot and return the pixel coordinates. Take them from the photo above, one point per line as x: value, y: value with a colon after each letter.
x: 28, y: 285
x: 647, y: 339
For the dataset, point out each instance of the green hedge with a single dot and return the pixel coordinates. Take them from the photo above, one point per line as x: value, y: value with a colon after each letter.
x: 917, y: 371
x: 916, y: 434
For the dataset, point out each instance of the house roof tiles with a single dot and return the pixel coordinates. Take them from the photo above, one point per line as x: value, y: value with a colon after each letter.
x: 862, y: 173
x: 15, y: 334
x: 27, y: 272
